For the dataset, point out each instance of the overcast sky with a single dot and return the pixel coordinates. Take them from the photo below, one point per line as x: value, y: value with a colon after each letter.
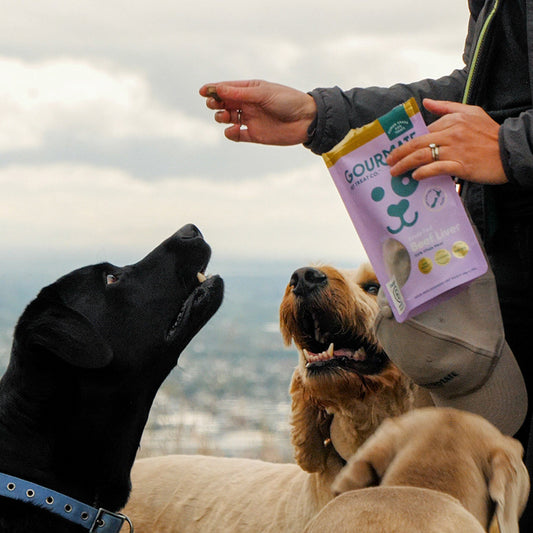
x: 106, y: 148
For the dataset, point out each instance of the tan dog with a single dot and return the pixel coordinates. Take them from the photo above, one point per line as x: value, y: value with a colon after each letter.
x: 438, y: 470
x: 342, y: 389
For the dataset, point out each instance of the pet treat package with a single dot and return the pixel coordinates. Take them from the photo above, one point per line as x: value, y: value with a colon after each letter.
x: 417, y: 235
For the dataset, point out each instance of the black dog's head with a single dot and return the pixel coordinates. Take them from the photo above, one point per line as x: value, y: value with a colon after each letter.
x: 132, y: 317
x: 89, y: 355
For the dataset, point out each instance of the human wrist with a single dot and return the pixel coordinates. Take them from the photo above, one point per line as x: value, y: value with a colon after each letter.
x: 311, y: 120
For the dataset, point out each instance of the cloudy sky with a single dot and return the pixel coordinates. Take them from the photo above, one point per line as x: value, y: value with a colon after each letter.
x: 106, y: 148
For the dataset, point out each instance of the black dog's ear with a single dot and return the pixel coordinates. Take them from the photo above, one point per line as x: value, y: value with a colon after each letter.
x: 68, y: 335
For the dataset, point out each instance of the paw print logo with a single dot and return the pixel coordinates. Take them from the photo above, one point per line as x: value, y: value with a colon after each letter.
x: 403, y: 187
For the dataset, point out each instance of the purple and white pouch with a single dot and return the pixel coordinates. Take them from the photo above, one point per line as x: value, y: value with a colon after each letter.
x: 417, y: 235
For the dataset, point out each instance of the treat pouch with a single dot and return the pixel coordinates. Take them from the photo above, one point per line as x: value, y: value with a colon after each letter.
x: 416, y: 234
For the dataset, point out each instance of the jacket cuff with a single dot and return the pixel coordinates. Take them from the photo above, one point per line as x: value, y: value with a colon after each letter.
x: 332, y: 121
x: 516, y: 149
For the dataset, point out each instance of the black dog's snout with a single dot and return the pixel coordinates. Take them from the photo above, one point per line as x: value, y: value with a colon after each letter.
x: 189, y: 238
x: 189, y: 231
x: 307, y: 279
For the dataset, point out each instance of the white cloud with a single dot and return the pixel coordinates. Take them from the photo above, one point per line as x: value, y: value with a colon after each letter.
x: 374, y: 59
x: 93, y: 101
x: 292, y: 214
x: 113, y: 87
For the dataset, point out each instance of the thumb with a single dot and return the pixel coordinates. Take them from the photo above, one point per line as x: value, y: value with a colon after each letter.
x: 445, y: 107
x: 233, y: 93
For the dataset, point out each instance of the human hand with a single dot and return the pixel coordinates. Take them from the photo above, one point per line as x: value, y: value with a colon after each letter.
x: 467, y: 138
x: 261, y: 111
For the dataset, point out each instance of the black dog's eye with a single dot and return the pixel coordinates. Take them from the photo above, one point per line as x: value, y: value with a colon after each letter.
x: 371, y: 288
x: 110, y: 279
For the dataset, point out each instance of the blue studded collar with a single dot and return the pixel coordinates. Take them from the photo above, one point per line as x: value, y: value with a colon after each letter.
x: 93, y: 519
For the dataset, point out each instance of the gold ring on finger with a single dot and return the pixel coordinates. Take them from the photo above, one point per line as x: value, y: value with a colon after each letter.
x: 434, y: 151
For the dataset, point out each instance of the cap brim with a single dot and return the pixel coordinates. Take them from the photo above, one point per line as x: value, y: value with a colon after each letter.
x: 502, y: 399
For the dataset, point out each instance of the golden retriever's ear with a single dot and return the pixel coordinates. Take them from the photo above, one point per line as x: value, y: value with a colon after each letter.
x: 287, y: 319
x: 368, y: 465
x: 310, y: 427
x: 508, y: 485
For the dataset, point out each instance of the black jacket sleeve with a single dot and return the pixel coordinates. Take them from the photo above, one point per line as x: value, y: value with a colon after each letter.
x: 339, y: 111
x: 516, y: 149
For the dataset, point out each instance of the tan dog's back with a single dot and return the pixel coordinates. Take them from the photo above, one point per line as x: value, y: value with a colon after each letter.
x: 203, y: 494
x: 394, y: 510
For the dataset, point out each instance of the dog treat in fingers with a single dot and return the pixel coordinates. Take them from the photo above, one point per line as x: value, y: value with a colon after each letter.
x: 212, y: 92
x: 417, y: 234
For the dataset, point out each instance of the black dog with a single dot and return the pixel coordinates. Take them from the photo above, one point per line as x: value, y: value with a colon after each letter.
x: 88, y: 357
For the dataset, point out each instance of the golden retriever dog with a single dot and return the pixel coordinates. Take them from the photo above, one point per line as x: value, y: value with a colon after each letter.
x: 432, y: 470
x: 343, y: 387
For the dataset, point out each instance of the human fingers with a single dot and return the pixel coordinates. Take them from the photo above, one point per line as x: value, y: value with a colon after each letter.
x: 238, y: 133
x: 453, y: 115
x: 447, y: 167
x: 463, y: 142
x: 451, y: 129
x: 215, y: 102
x: 419, y: 158
x: 427, y: 160
x: 411, y: 154
x: 207, y: 89
x: 445, y: 107
x: 231, y: 93
x: 229, y: 116
x: 438, y: 154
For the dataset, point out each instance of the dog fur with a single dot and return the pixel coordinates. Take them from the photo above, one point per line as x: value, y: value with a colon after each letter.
x: 338, y: 400
x: 89, y: 354
x: 432, y: 470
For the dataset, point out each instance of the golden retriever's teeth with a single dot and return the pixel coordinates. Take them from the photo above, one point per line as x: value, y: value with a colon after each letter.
x: 326, y: 355
x: 201, y: 277
x: 306, y: 355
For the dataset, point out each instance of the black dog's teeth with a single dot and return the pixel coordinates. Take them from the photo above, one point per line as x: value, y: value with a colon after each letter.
x: 174, y: 326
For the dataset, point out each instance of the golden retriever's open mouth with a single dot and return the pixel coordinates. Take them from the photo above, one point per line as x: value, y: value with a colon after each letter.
x: 326, y: 345
x: 356, y: 355
x: 328, y: 314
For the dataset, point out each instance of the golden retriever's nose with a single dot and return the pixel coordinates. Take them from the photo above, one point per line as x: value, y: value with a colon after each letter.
x: 306, y: 280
